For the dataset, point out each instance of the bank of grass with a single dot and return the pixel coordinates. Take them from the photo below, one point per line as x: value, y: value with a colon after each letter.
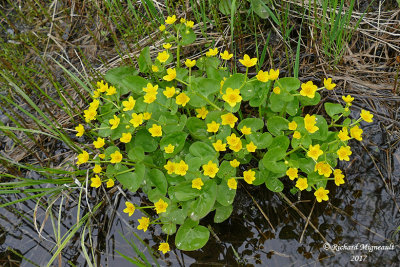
x: 52, y: 53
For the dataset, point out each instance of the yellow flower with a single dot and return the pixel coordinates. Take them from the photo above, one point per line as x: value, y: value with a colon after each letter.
x: 262, y: 76
x: 292, y: 173
x: 167, y: 46
x: 129, y: 105
x: 110, y: 183
x: 309, y: 123
x: 96, y: 181
x: 234, y: 163
x: 323, y: 169
x: 314, y: 152
x: 210, y: 169
x: 190, y: 63
x: 102, y: 87
x: 146, y: 116
x: 181, y: 168
x: 249, y: 176
x: 277, y: 90
x: 164, y: 248
x: 130, y: 208
x: 163, y: 56
x: 229, y: 119
x: 182, y: 99
x: 197, y: 183
x: 161, y: 27
x: 321, y: 194
x: 219, y: 146
x: 212, y: 52
x: 236, y: 147
x: 201, y: 112
x: 99, y: 143
x: 328, y: 84
x: 221, y: 84
x: 366, y: 115
x: 189, y: 24
x: 126, y: 137
x: 308, y: 89
x: 80, y: 130
x: 356, y: 133
x: 344, y: 152
x: 169, y: 92
x: 212, y: 127
x: 97, y: 168
x: 161, y: 206
x: 338, y: 177
x: 251, y: 147
x: 232, y: 139
x: 154, y: 68
x: 136, y: 120
x: 292, y: 125
x: 102, y: 156
x: 246, y: 130
x: 169, y: 149
x: 94, y: 104
x: 273, y: 74
x: 171, y: 74
x: 348, y: 99
x: 170, y: 20
x: 296, y: 135
x: 343, y: 134
x: 170, y: 167
x: 144, y: 223
x: 155, y: 130
x: 96, y: 94
x: 150, y: 89
x: 149, y: 98
x: 225, y: 55
x: 301, y: 184
x: 114, y: 122
x: 116, y: 157
x: 232, y: 96
x: 111, y: 90
x: 247, y: 61
x: 232, y: 183
x: 90, y: 114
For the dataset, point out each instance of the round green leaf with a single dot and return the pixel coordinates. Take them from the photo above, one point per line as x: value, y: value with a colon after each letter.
x: 144, y: 139
x: 276, y: 125
x: 254, y: 123
x: 274, y: 184
x: 189, y: 238
x: 222, y: 213
x: 225, y: 195
x: 158, y: 179
x: 205, y: 202
x: 201, y: 149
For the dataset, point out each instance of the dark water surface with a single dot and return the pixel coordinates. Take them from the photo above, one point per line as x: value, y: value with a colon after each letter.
x: 361, y: 212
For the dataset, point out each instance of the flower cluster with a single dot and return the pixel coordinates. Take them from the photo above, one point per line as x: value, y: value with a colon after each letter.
x: 180, y: 133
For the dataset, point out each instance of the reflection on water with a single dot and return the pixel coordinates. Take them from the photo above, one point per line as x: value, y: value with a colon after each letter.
x: 363, y: 211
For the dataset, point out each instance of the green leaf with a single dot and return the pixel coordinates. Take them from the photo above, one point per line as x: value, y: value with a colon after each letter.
x: 144, y: 60
x: 144, y: 139
x: 288, y: 83
x: 259, y: 9
x: 176, y: 139
x: 322, y: 132
x: 281, y: 141
x: 158, y: 179
x: 225, y: 7
x: 133, y: 84
x: 306, y: 101
x: 129, y: 180
x: 205, y: 86
x: 276, y: 103
x: 116, y: 75
x: 333, y: 109
x: 261, y: 140
x: 225, y: 195
x: 169, y: 228
x: 188, y: 36
x: 234, y: 82
x: 222, y: 213
x: 201, y: 149
x: 275, y: 154
x: 276, y: 125
x: 254, y: 123
x: 274, y: 184
x: 105, y: 130
x: 205, y: 202
x: 183, y: 191
x: 226, y: 170
x: 197, y: 128
x: 260, y: 176
x: 307, y: 165
x: 293, y: 107
x: 274, y: 166
x: 189, y: 238
x: 135, y: 153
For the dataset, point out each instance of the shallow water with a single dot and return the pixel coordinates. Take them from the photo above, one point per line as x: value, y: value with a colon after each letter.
x: 363, y: 211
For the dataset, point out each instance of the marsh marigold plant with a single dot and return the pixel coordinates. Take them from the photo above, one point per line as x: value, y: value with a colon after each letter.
x: 178, y: 132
